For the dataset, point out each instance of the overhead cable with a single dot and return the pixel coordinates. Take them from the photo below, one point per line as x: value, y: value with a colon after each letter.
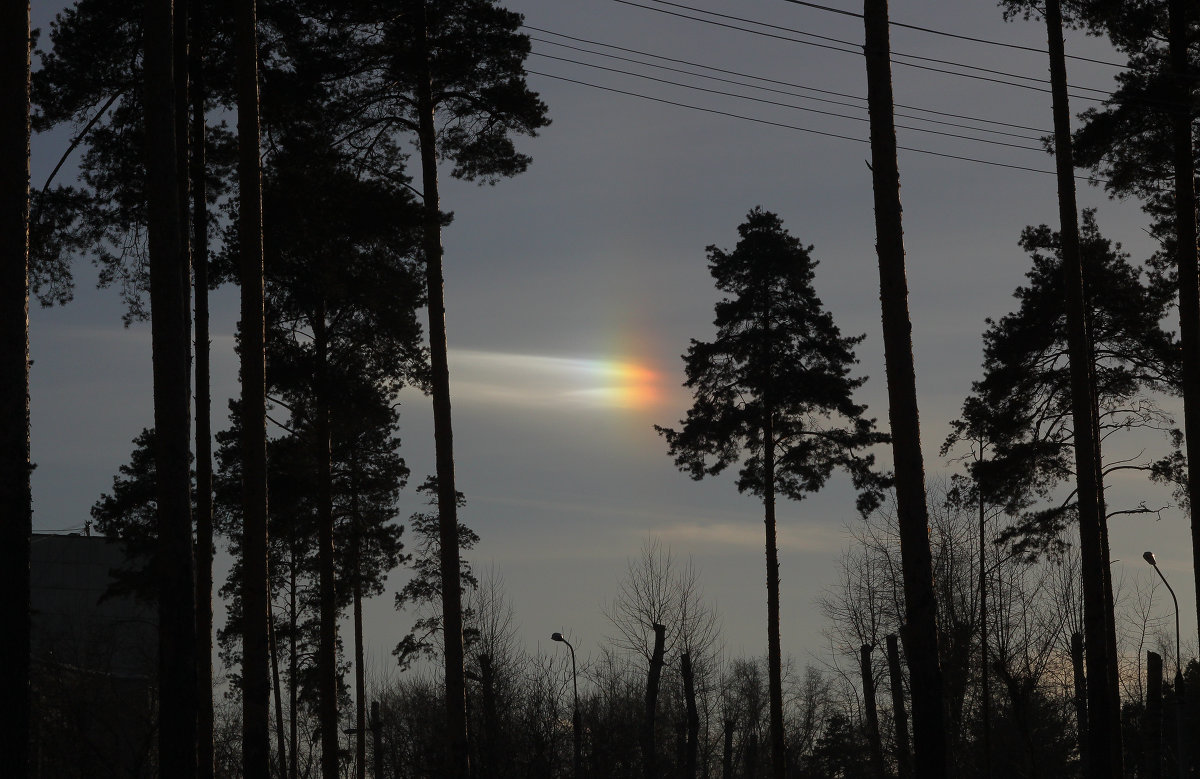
x: 777, y: 82
x: 946, y: 34
x: 797, y: 128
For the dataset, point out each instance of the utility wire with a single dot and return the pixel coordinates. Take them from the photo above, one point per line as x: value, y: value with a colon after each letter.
x: 1110, y: 97
x: 857, y: 50
x: 971, y: 38
x: 772, y: 81
x: 1042, y: 133
x: 809, y: 130
x: 780, y: 104
x: 856, y: 46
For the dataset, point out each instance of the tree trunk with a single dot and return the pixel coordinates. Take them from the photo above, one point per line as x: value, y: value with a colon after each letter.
x: 1103, y: 708
x: 487, y: 688
x: 774, y: 648
x: 903, y: 755
x: 182, y: 165
x: 360, y: 684
x: 327, y: 686
x: 278, y: 694
x: 1185, y: 248
x: 874, y: 742
x: 751, y: 755
x: 693, y: 716
x: 985, y: 704
x: 376, y: 741
x: 1153, y: 745
x: 1081, y: 698
x: 256, y: 747
x: 170, y: 320
x: 458, y: 761
x: 204, y: 528
x: 920, y: 606
x: 727, y: 752
x: 16, y: 508
x: 649, y: 767
x: 293, y: 670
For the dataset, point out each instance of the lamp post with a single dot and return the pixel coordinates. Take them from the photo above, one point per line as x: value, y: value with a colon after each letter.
x: 1181, y: 755
x: 578, y: 734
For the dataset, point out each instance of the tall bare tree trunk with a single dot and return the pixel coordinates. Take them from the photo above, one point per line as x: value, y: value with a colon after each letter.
x: 649, y: 749
x: 293, y: 670
x: 985, y: 704
x: 1153, y: 742
x: 170, y: 335
x: 360, y: 685
x: 487, y: 688
x: 204, y: 528
x: 920, y: 605
x: 256, y: 733
x: 774, y: 647
x: 900, y: 717
x: 376, y: 741
x: 693, y: 716
x: 1185, y: 249
x: 1080, y: 697
x: 1104, y: 741
x: 277, y: 692
x: 458, y: 760
x: 727, y: 751
x: 874, y: 741
x: 327, y: 686
x: 16, y: 509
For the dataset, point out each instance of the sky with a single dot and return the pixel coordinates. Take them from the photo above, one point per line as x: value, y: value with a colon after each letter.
x: 573, y: 289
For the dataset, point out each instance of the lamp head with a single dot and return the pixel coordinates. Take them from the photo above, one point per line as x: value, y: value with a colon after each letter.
x: 556, y: 636
x: 1149, y: 557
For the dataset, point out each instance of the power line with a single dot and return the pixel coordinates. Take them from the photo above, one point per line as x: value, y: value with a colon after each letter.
x: 857, y: 50
x: 1109, y: 99
x: 854, y: 44
x: 772, y: 81
x: 971, y: 38
x: 779, y: 104
x: 792, y: 85
x: 786, y: 126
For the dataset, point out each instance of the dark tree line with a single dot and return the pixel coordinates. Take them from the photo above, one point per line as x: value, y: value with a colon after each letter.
x: 341, y: 165
x: 336, y: 244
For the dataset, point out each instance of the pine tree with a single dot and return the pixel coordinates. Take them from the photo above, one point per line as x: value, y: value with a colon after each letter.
x: 16, y: 510
x: 423, y: 592
x: 462, y: 61
x: 1021, y: 405
x: 773, y: 393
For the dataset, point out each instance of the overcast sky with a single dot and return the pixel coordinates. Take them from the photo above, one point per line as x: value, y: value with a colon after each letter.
x: 572, y: 291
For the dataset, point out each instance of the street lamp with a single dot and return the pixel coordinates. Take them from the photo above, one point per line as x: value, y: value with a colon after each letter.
x: 556, y: 636
x: 1180, y: 728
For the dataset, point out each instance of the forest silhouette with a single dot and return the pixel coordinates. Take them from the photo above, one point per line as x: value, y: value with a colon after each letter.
x: 975, y: 629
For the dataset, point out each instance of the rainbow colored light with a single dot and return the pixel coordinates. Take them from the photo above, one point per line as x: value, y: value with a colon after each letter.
x: 524, y: 379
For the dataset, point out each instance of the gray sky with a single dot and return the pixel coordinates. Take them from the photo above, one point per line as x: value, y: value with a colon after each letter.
x: 572, y: 290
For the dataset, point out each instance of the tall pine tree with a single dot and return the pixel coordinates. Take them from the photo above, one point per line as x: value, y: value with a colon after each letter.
x: 773, y: 393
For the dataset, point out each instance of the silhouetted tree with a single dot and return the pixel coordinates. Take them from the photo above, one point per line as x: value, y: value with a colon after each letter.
x: 463, y: 62
x: 128, y: 513
x: 1021, y: 406
x: 256, y: 749
x: 1104, y: 716
x: 424, y: 589
x: 170, y: 329
x: 920, y: 602
x: 15, y: 498
x: 773, y: 392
